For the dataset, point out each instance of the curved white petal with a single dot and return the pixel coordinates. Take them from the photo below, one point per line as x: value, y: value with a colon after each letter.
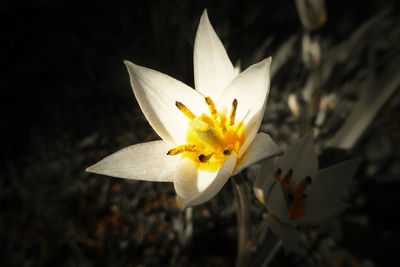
x: 269, y: 191
x: 264, y: 181
x: 261, y: 148
x: 213, y: 70
x: 288, y: 234
x: 185, y: 181
x: 195, y: 186
x: 324, y: 201
x: 275, y: 202
x: 250, y: 88
x: 156, y: 94
x: 301, y: 158
x: 144, y: 161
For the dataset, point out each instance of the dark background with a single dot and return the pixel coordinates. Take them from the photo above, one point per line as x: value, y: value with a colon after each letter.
x: 66, y: 102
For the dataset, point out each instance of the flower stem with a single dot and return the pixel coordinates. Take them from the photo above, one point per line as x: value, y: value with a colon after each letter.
x: 242, y: 213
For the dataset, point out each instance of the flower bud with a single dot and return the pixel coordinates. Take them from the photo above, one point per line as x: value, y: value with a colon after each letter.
x: 312, y: 13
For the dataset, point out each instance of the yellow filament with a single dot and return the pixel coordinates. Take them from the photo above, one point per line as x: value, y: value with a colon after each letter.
x: 211, y: 107
x: 181, y: 149
x: 233, y: 112
x: 185, y: 110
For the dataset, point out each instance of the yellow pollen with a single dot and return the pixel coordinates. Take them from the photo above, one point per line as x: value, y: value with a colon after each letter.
x: 185, y: 110
x: 233, y: 112
x: 210, y: 140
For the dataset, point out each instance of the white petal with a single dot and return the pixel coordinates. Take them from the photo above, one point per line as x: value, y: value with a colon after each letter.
x: 264, y: 180
x: 324, y: 201
x: 213, y: 70
x: 144, y: 161
x: 288, y: 234
x: 261, y: 148
x: 301, y: 158
x: 250, y: 88
x: 275, y: 202
x: 156, y: 94
x: 195, y: 186
x: 269, y: 191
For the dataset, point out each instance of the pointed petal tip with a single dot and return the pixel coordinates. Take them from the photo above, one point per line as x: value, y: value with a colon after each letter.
x: 265, y: 63
x: 91, y: 168
x: 95, y: 168
x: 204, y: 18
x: 129, y: 65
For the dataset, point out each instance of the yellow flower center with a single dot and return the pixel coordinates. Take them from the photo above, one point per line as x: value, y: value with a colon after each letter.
x: 210, y: 139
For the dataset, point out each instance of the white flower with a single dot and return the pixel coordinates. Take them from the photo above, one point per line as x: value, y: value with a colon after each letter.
x: 296, y: 192
x: 208, y: 134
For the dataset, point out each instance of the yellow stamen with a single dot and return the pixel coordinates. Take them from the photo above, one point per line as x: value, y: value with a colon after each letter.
x: 211, y: 107
x: 210, y: 139
x: 223, y: 124
x: 181, y: 149
x: 185, y: 110
x: 233, y: 112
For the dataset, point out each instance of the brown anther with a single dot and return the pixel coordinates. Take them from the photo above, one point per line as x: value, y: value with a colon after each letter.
x: 204, y: 158
x: 184, y: 110
x: 181, y: 149
x: 211, y: 107
x: 233, y: 112
x: 227, y: 152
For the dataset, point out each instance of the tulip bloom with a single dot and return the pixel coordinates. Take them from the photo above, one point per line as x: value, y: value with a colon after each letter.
x: 296, y: 192
x: 209, y: 133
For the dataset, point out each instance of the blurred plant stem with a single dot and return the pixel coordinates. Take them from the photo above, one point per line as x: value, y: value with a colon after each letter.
x: 243, y: 216
x: 257, y: 247
x: 188, y: 227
